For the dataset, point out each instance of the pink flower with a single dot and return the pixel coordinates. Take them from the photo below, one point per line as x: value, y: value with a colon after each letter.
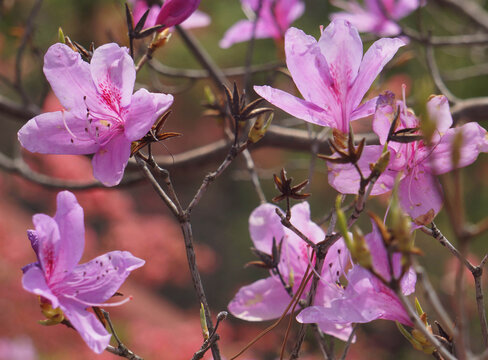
x: 377, y: 16
x: 197, y: 19
x: 331, y: 74
x: 267, y: 298
x: 58, y: 278
x: 275, y: 18
x: 365, y: 297
x: 101, y: 116
x: 174, y: 12
x: 416, y: 163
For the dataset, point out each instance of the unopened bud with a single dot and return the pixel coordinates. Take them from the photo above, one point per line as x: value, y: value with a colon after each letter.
x: 260, y: 127
x: 160, y: 39
x: 360, y: 253
x: 203, y: 322
x: 209, y: 95
x: 61, y: 36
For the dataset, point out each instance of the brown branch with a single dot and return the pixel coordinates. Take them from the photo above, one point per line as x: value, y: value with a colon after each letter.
x: 452, y: 40
x: 470, y: 9
x: 121, y: 350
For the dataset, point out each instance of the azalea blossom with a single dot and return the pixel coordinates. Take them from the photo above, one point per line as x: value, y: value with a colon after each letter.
x: 377, y: 16
x: 275, y: 17
x: 101, y: 114
x: 195, y: 20
x: 63, y: 283
x: 366, y: 298
x: 267, y: 298
x: 416, y: 163
x: 331, y: 74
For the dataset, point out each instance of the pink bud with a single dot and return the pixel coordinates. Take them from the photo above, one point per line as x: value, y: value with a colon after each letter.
x: 174, y: 12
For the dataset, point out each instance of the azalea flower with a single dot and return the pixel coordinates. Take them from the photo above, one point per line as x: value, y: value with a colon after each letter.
x: 101, y: 114
x: 63, y: 283
x: 416, y: 163
x: 267, y: 298
x: 331, y: 74
x: 366, y: 298
x: 195, y: 20
x: 377, y: 16
x: 275, y: 18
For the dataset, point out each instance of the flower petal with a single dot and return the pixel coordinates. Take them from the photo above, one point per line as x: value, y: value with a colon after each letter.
x: 473, y: 142
x: 145, y: 109
x: 439, y: 113
x: 34, y: 282
x: 242, y: 31
x: 264, y: 225
x: 294, y: 106
x: 310, y: 70
x: 88, y: 326
x: 262, y: 300
x: 97, y: 280
x: 342, y: 48
x: 48, y: 134
x: 70, y: 220
x: 69, y: 77
x: 419, y: 193
x: 114, y: 75
x: 196, y: 20
x: 345, y: 178
x: 110, y: 161
x: 375, y: 59
x: 364, y: 110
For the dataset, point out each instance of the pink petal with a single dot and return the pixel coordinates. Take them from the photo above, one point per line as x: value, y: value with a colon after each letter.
x: 114, y: 74
x: 474, y: 141
x: 88, y: 326
x: 70, y: 78
x: 340, y: 331
x: 335, y: 264
x: 140, y: 8
x: 49, y: 247
x: 345, y: 178
x: 287, y: 11
x: 310, y: 71
x: 405, y: 7
x: 145, y: 109
x: 197, y: 20
x: 364, y: 110
x: 342, y: 48
x: 69, y: 218
x: 408, y: 281
x: 97, y: 280
x: 242, y: 31
x: 34, y: 282
x: 262, y: 300
x: 264, y: 225
x: 419, y: 193
x: 378, y: 252
x: 439, y: 113
x: 375, y: 59
x: 299, y: 108
x: 110, y: 161
x: 48, y: 134
x: 300, y: 218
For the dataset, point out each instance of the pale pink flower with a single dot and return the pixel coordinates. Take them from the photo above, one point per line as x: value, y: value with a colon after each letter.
x: 101, y: 116
x: 376, y: 16
x: 58, y: 278
x: 331, y: 74
x: 366, y: 298
x: 275, y: 18
x: 267, y: 298
x: 416, y: 163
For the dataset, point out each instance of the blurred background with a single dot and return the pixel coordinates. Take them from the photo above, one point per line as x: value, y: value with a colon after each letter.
x: 162, y: 321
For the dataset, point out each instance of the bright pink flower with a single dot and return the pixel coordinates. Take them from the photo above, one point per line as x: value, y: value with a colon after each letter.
x: 174, y: 12
x: 275, y: 18
x: 416, y: 163
x: 366, y: 298
x: 101, y: 115
x: 267, y: 298
x: 377, y: 16
x: 331, y: 74
x: 196, y: 19
x: 58, y: 278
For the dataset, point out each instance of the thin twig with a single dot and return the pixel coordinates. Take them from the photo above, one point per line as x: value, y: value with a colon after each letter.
x: 121, y: 350
x: 349, y: 342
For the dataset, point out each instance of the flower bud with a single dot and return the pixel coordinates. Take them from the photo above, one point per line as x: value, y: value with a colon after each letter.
x: 53, y: 316
x: 260, y: 127
x: 174, y: 12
